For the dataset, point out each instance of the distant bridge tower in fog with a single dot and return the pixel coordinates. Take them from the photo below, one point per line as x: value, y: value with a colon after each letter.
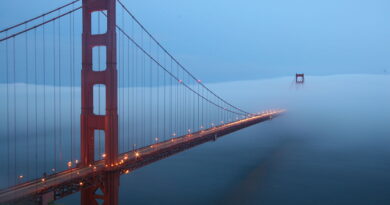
x: 299, y: 78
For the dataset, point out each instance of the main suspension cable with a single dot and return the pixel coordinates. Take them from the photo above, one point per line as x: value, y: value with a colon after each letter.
x: 41, y: 24
x: 37, y: 17
x: 176, y: 61
x: 166, y: 70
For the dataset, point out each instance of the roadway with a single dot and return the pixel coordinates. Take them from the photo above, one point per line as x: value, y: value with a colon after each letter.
x: 127, y: 162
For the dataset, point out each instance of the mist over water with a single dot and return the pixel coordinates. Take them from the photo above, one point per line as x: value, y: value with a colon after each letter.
x: 331, y: 147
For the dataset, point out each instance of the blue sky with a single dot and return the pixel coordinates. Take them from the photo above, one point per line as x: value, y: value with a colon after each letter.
x: 224, y: 40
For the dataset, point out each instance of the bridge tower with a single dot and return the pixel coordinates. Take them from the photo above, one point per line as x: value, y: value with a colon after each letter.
x: 108, y: 77
x: 90, y: 121
x: 299, y: 78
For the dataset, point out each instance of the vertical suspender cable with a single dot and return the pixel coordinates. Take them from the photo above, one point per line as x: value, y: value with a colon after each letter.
x: 123, y: 85
x: 177, y: 102
x: 44, y: 97
x: 170, y: 104
x: 123, y: 90
x: 36, y: 102
x: 137, y: 90
x: 181, y: 112
x: 189, y: 113
x: 119, y: 86
x: 219, y: 112
x: 8, y: 118
x: 208, y: 113
x: 185, y: 127
x: 181, y: 102
x: 198, y: 121
x: 128, y: 95
x: 74, y: 69
x: 135, y: 97
x: 59, y: 87
x: 158, y: 94
x: 55, y: 96
x: 136, y: 128
x: 189, y: 107
x: 120, y: 102
x: 185, y: 106
x: 73, y: 80
x: 27, y: 113
x: 150, y: 94
x: 202, y: 107
x: 71, y: 83
x: 192, y: 102
x: 164, y: 115
x: 133, y: 87
x: 143, y: 94
x: 194, y: 107
x: 15, y: 120
x: 137, y: 104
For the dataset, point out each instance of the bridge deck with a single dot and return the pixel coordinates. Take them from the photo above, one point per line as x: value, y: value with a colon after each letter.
x: 72, y: 180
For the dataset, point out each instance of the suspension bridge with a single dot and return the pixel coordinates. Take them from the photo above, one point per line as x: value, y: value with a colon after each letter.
x: 89, y: 94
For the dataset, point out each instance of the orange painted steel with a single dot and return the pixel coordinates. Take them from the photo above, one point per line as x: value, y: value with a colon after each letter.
x: 108, y: 77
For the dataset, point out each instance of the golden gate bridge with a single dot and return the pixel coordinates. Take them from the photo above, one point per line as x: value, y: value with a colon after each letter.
x: 138, y: 104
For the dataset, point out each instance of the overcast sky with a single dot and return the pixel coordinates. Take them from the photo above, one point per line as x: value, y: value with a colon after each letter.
x: 225, y: 40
